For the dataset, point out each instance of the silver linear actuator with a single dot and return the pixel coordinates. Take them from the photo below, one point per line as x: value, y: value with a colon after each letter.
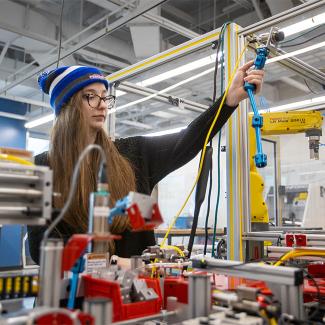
x: 25, y: 194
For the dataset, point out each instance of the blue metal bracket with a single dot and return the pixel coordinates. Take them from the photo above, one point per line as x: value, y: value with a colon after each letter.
x: 257, y: 122
x: 76, y: 270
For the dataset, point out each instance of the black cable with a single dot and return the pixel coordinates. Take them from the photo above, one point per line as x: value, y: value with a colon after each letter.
x: 304, y: 42
x: 215, y: 75
x: 220, y: 45
x: 200, y: 195
x: 221, y: 35
x: 60, y: 34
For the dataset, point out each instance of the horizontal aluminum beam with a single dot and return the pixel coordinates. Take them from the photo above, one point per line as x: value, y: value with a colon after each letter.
x: 282, y: 17
x: 279, y: 275
x: 164, y: 98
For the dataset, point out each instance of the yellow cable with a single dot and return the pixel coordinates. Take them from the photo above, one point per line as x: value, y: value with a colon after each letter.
x: 273, y: 321
x: 15, y: 159
x: 298, y: 253
x: 204, y: 147
x: 177, y: 249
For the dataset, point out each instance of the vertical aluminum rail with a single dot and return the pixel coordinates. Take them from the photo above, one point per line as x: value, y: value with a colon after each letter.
x: 237, y: 158
x: 245, y: 156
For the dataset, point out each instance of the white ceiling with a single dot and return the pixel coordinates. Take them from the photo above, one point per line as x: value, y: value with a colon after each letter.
x: 29, y: 29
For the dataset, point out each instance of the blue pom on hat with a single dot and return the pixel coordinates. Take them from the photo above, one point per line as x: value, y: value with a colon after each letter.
x: 62, y: 83
x: 42, y: 79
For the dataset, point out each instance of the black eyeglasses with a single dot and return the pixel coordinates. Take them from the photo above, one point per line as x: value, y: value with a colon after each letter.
x: 94, y: 100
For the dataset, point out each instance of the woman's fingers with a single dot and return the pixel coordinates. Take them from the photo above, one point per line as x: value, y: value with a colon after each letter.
x: 256, y: 80
x: 256, y: 72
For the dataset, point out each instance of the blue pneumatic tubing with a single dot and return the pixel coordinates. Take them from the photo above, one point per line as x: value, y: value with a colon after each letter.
x: 257, y: 122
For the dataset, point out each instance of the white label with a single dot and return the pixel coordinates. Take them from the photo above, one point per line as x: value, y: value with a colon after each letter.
x: 101, y: 211
x: 96, y: 261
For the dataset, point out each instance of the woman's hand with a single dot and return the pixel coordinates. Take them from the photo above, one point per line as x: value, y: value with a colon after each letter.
x: 236, y: 91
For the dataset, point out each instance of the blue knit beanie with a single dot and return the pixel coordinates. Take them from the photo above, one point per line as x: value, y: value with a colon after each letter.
x: 62, y: 83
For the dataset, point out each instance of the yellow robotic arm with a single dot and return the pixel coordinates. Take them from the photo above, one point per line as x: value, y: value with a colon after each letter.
x: 309, y: 122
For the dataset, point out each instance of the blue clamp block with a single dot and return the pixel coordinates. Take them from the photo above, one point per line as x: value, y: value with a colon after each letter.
x: 260, y: 160
x: 257, y: 121
x: 119, y: 209
x: 262, y: 54
x: 249, y: 86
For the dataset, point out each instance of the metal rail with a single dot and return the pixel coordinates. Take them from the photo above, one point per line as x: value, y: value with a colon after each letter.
x: 160, y: 97
x: 285, y: 282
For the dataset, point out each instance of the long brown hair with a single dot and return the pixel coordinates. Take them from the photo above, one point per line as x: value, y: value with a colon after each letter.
x: 70, y: 136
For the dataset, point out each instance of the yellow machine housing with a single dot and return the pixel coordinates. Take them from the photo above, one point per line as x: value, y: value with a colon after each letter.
x: 309, y: 122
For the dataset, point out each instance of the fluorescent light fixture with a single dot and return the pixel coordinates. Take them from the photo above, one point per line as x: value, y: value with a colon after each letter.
x: 39, y: 121
x: 141, y: 100
x: 170, y: 131
x: 304, y: 24
x: 295, y: 53
x: 178, y: 71
x: 137, y: 124
x: 174, y: 72
x: 296, y: 105
x: 120, y: 93
x: 163, y: 114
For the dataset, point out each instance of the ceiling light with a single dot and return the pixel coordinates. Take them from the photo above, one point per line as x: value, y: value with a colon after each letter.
x: 296, y: 105
x: 137, y: 124
x: 174, y: 72
x: 178, y: 71
x: 163, y: 114
x: 295, y: 53
x: 119, y: 93
x: 303, y: 25
x: 39, y: 121
x: 170, y: 131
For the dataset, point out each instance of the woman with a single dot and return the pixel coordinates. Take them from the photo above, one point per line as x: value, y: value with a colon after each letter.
x: 79, y: 97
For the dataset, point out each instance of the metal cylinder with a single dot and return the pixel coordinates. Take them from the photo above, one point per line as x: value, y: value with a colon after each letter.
x: 98, y: 214
x: 172, y: 303
x: 100, y: 308
x: 136, y: 263
x: 50, y: 273
x: 199, y: 295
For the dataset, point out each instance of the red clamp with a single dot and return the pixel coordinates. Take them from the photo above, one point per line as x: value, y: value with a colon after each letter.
x: 76, y: 247
x: 137, y: 221
x: 62, y: 318
x: 299, y: 240
x: 290, y: 240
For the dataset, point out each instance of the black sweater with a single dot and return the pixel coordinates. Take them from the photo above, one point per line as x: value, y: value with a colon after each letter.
x: 153, y: 158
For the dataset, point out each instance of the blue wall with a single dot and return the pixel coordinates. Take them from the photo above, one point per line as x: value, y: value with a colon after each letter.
x: 13, y: 135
